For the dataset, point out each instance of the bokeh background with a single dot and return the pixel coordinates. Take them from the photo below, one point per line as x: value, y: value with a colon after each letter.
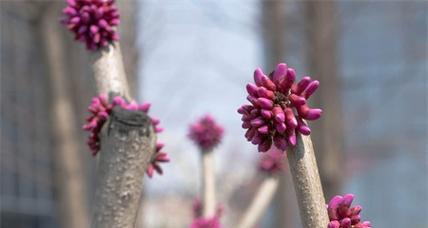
x: 192, y: 57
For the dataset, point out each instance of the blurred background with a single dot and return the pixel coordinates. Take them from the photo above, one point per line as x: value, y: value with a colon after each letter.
x: 194, y: 57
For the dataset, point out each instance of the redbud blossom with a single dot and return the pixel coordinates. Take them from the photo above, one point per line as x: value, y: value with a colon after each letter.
x: 200, y: 222
x: 100, y: 110
x: 206, y: 133
x: 93, y: 22
x: 272, y: 161
x: 342, y: 215
x: 278, y: 107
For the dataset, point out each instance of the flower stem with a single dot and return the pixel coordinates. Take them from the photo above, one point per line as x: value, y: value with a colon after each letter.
x: 208, y: 184
x: 307, y: 183
x: 260, y: 202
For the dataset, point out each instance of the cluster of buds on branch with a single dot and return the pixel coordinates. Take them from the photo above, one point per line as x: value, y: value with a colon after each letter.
x: 93, y: 22
x: 342, y: 215
x: 206, y: 133
x: 278, y: 108
x: 200, y: 222
x: 100, y: 110
x: 272, y: 162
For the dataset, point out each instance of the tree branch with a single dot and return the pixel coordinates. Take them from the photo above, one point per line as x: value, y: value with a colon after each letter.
x: 310, y: 197
x: 109, y: 71
x: 208, y: 184
x: 127, y: 146
x: 260, y: 202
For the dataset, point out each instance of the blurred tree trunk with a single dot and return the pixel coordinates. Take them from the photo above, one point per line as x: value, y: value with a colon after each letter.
x: 322, y: 62
x: 69, y: 176
x: 273, y: 33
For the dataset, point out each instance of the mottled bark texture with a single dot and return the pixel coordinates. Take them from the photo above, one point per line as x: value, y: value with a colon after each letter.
x: 260, y: 202
x: 69, y: 176
x: 208, y: 184
x: 109, y: 71
x: 307, y: 184
x: 127, y: 146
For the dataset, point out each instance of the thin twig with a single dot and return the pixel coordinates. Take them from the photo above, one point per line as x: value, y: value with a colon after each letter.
x: 208, y: 184
x: 260, y: 202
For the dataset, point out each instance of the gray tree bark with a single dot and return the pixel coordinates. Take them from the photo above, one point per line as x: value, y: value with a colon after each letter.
x: 128, y: 143
x: 307, y: 183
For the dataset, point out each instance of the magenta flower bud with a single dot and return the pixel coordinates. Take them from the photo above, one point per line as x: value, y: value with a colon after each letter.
x: 302, y: 127
x: 278, y: 107
x: 258, y: 75
x: 341, y: 213
x: 266, y: 114
x: 206, y: 133
x: 311, y: 89
x: 345, y: 223
x: 272, y: 162
x: 292, y: 140
x: 308, y: 113
x: 280, y: 72
x: 290, y: 118
x: 265, y: 145
x: 263, y: 92
x: 92, y: 22
x: 258, y: 122
x: 263, y: 130
x: 297, y: 100
x: 252, y: 89
x: 279, y: 114
x: 144, y: 107
x: 246, y: 125
x: 253, y: 100
x: 257, y: 139
x: 333, y: 224
x: 287, y: 83
x: 265, y: 103
x: 280, y: 142
x: 268, y: 84
x: 301, y: 86
x: 250, y: 133
x: 280, y: 127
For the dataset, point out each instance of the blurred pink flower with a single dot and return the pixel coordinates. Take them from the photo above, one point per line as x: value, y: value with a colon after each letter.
x: 278, y: 108
x: 93, y: 22
x: 272, y: 161
x: 100, y: 110
x: 213, y: 222
x: 206, y: 133
x: 200, y: 222
x: 342, y: 215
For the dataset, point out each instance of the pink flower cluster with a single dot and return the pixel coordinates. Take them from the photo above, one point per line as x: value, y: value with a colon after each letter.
x: 201, y: 222
x: 100, y: 110
x: 272, y: 161
x: 342, y: 215
x: 278, y: 108
x: 206, y: 133
x: 93, y: 22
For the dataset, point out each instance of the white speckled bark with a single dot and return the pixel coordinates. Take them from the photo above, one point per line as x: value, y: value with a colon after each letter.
x: 303, y: 167
x: 109, y: 72
x: 260, y: 202
x: 127, y: 146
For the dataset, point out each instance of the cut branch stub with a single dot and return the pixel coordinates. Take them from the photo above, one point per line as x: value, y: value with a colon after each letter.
x: 307, y: 183
x: 127, y: 147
